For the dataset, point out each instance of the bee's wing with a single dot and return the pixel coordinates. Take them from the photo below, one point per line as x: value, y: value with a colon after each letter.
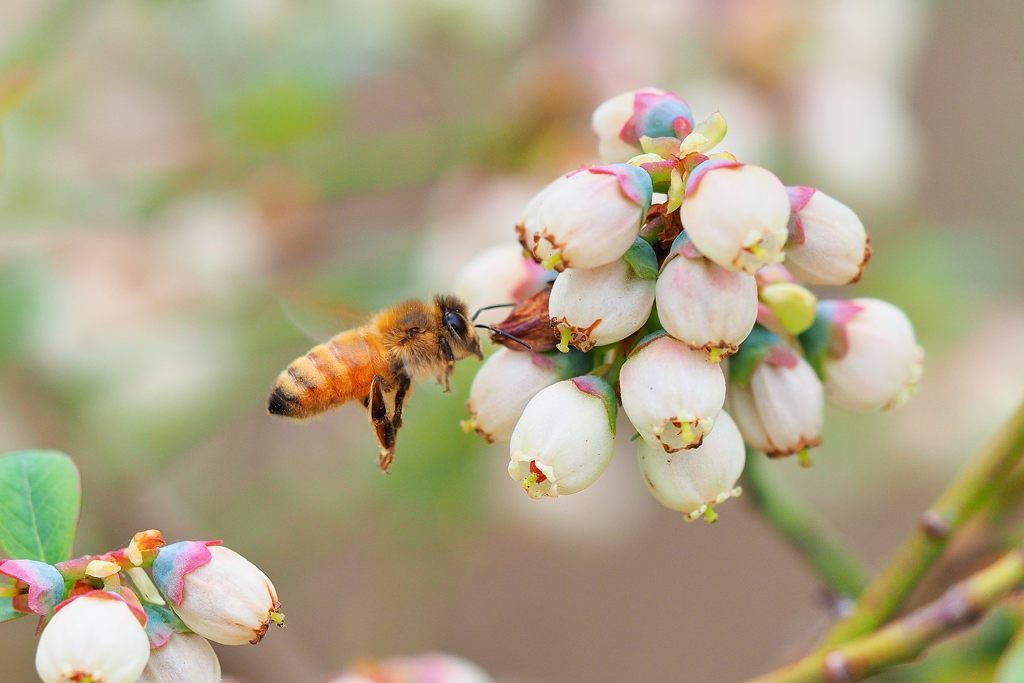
x: 320, y: 318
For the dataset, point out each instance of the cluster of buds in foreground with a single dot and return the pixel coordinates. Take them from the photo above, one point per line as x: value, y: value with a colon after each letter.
x: 670, y: 297
x: 105, y: 618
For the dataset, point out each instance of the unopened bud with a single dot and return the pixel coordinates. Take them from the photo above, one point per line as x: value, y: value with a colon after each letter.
x: 827, y: 243
x: 216, y: 592
x: 621, y: 122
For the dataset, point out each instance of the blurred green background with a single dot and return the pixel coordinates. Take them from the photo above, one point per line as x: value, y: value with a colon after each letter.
x: 191, y: 188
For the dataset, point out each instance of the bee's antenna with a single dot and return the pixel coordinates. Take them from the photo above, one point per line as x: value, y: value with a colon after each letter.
x: 487, y: 308
x: 506, y: 335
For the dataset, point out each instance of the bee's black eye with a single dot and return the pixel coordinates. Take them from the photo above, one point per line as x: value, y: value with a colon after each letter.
x: 455, y: 323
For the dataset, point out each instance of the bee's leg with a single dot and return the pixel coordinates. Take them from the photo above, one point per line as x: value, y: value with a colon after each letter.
x: 382, y: 424
x: 449, y: 359
x: 404, y: 382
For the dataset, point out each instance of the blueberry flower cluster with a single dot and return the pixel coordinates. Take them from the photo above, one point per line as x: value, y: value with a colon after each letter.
x: 142, y: 613
x: 680, y: 294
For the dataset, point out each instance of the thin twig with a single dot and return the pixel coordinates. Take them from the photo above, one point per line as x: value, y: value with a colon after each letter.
x: 904, y: 639
x: 972, y: 487
x: 887, y: 593
x: 817, y: 543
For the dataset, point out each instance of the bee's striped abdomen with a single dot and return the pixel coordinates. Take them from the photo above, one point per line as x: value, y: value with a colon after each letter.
x: 333, y: 373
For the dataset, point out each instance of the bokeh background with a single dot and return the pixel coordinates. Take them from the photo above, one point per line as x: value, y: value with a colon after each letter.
x: 192, y: 188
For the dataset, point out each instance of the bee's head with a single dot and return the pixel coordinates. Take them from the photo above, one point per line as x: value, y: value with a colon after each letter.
x: 457, y: 327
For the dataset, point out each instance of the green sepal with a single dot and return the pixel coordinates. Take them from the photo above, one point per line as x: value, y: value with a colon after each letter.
x: 645, y: 340
x: 815, y: 341
x: 571, y: 364
x: 642, y: 260
x: 705, y: 136
x: 750, y: 354
x: 676, y: 190
x: 659, y: 169
x: 599, y: 388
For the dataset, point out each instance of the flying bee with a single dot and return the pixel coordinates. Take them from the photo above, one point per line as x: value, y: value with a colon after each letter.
x: 377, y: 363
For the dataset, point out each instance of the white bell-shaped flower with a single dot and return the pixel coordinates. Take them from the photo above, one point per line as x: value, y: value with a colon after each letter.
x: 598, y: 306
x: 827, y: 244
x: 736, y: 214
x: 185, y: 658
x: 507, y: 381
x: 872, y: 360
x: 586, y: 218
x: 695, y: 481
x: 780, y: 410
x: 216, y: 592
x: 704, y: 305
x: 499, y: 274
x: 565, y: 437
x: 671, y: 393
x: 96, y: 636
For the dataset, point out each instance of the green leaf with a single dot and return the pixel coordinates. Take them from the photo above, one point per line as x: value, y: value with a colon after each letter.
x: 40, y: 496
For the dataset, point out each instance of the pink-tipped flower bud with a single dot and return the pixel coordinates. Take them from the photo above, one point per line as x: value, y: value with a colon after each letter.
x: 671, y: 394
x: 185, y: 658
x: 775, y: 397
x: 507, y: 381
x: 827, y: 242
x: 621, y: 121
x: 736, y: 214
x: 867, y: 353
x: 597, y: 306
x: 216, y: 592
x: 586, y: 218
x: 96, y: 636
x: 499, y: 274
x: 38, y: 587
x: 565, y: 438
x: 695, y: 481
x: 704, y: 305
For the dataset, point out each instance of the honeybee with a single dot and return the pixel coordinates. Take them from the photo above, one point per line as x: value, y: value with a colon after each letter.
x: 376, y: 363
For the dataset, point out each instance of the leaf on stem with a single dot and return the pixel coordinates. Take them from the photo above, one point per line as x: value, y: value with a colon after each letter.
x: 40, y: 497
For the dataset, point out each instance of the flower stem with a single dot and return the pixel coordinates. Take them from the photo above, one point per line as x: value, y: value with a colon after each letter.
x: 836, y: 566
x: 887, y: 593
x: 906, y: 638
x: 968, y: 491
